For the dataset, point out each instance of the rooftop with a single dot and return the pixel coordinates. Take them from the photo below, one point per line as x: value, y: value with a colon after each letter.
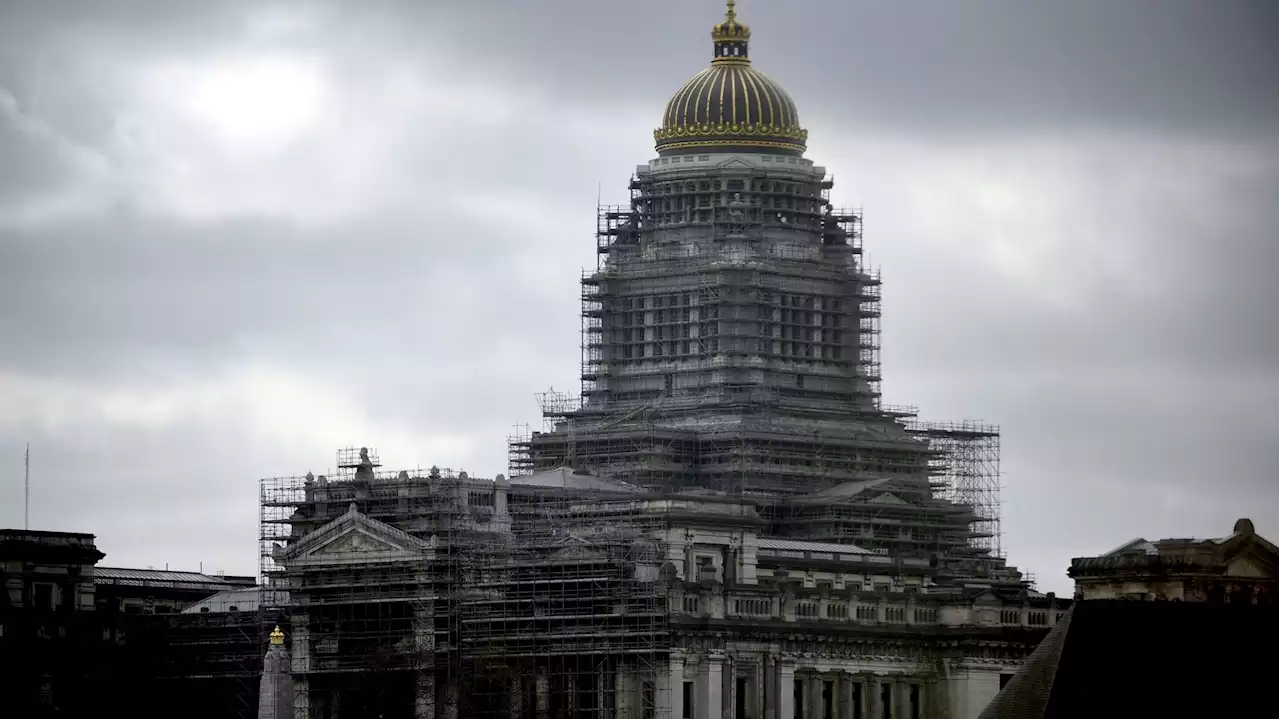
x: 121, y: 576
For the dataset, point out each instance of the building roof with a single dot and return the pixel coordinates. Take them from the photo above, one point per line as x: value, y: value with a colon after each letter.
x: 795, y: 545
x: 1171, y: 555
x: 566, y: 478
x: 1124, y: 659
x: 121, y: 576
x: 238, y: 600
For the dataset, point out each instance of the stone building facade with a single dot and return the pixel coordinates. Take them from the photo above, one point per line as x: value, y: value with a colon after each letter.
x: 1238, y: 567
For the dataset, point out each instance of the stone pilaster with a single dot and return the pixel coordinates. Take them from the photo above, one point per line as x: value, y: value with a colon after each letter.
x: 786, y: 688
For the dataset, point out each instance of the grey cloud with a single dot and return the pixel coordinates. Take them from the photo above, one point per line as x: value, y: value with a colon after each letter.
x: 445, y: 296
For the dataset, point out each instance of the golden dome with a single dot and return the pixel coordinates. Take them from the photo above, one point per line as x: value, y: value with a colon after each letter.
x: 730, y: 105
x: 277, y: 636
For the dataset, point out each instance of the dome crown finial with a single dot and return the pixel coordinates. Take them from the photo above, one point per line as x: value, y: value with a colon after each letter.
x: 277, y: 636
x: 729, y: 38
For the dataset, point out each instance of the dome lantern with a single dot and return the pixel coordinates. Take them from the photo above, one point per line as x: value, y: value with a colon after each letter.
x: 729, y: 38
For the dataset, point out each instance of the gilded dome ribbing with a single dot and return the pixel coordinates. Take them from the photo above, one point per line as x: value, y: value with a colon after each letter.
x: 730, y: 105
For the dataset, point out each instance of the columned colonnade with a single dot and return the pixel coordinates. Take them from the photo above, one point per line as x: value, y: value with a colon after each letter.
x: 718, y: 686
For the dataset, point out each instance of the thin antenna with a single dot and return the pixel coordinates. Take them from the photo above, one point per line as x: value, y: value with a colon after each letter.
x: 26, y: 489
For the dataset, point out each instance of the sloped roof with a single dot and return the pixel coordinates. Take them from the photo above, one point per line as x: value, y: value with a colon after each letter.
x: 566, y: 478
x: 1117, y: 658
x: 238, y: 600
x: 795, y: 545
x: 125, y: 576
x: 1027, y: 693
x: 840, y: 491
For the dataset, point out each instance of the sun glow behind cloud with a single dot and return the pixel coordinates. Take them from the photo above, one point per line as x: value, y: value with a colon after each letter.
x: 256, y: 103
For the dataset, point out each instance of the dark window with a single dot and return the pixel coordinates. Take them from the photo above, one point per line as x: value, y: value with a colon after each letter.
x: 740, y: 707
x: 886, y: 701
x: 1004, y: 679
x: 827, y: 691
x: 915, y: 701
x: 798, y: 699
x: 686, y: 701
x: 42, y: 595
x: 857, y: 701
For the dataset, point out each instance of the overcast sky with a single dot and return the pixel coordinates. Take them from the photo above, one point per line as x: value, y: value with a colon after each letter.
x: 236, y: 236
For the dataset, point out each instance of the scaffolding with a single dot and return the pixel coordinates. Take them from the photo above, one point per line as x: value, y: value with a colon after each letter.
x: 966, y: 469
x: 502, y: 600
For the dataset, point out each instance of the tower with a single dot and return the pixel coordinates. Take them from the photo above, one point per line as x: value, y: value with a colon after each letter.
x: 730, y: 331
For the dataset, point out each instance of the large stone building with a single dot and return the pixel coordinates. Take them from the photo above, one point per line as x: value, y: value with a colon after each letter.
x: 727, y: 523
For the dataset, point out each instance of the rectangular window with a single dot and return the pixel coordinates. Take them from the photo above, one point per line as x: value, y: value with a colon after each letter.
x: 886, y: 701
x: 686, y: 701
x: 798, y: 698
x: 915, y: 701
x: 42, y: 595
x: 740, y: 699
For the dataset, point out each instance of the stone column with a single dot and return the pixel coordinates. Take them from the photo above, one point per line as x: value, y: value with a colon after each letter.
x: 713, y: 691
x: 669, y: 689
x: 515, y: 697
x: 816, y: 685
x: 845, y: 692
x: 786, y: 688
x: 451, y: 695
x: 730, y: 699
x: 300, y: 666
x: 768, y: 682
x: 626, y: 694
x: 424, y: 701
x: 873, y: 698
x: 542, y: 694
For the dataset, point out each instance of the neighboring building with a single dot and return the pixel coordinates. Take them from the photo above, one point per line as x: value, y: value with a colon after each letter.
x: 48, y: 635
x: 1172, y: 628
x: 1240, y: 567
x: 75, y: 637
x: 158, y: 591
x: 728, y: 523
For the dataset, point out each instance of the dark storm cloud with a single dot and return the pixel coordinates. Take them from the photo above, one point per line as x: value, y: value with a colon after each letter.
x: 1074, y: 205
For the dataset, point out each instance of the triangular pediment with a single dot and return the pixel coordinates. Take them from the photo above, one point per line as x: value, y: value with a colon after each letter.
x: 1246, y: 554
x: 886, y: 498
x: 986, y: 596
x: 355, y: 538
x: 735, y: 163
x: 355, y: 541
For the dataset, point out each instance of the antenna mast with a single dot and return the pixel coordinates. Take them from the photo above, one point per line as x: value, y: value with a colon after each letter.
x: 26, y: 489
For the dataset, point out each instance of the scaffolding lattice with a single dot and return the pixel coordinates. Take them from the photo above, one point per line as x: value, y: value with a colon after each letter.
x: 966, y: 465
x: 508, y: 597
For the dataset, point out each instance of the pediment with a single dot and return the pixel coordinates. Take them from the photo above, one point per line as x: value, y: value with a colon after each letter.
x: 576, y: 548
x: 886, y: 498
x: 1249, y: 556
x: 734, y: 163
x: 355, y: 541
x: 355, y: 538
x: 577, y: 552
x: 986, y: 596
